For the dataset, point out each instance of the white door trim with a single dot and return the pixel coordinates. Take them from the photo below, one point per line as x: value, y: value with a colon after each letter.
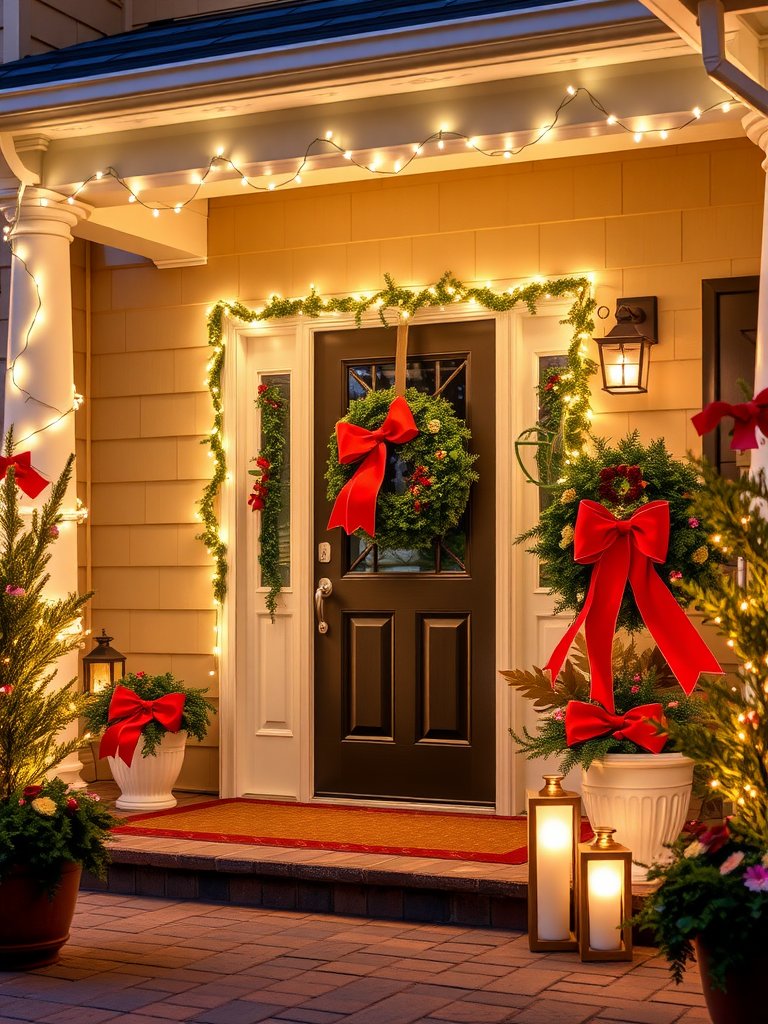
x: 288, y: 345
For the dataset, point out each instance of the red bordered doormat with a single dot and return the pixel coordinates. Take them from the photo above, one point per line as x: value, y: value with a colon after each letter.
x: 453, y: 836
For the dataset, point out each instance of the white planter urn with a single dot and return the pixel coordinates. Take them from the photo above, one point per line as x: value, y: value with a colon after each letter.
x: 645, y: 797
x: 146, y: 783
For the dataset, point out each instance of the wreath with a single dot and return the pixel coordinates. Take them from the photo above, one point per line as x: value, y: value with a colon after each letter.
x: 623, y: 479
x: 427, y: 479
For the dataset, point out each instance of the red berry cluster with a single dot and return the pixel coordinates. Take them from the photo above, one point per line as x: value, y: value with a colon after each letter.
x: 419, y: 480
x: 552, y: 381
x: 261, y: 390
x: 621, y: 485
x: 258, y: 496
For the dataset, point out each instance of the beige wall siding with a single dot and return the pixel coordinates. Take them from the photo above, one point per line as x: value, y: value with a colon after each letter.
x: 146, y: 11
x: 52, y: 24
x: 645, y: 222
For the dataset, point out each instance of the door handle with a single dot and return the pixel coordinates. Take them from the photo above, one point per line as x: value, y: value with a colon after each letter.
x: 324, y: 589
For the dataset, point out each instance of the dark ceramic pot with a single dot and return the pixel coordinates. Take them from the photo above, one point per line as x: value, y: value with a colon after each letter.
x: 746, y: 996
x: 34, y: 927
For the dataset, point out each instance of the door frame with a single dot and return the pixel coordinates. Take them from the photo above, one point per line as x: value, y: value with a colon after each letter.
x: 288, y: 346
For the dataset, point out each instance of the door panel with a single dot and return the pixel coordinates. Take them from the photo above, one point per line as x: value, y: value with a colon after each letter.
x: 405, y: 676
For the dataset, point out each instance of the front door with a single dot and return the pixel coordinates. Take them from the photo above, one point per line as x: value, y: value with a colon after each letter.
x: 405, y: 677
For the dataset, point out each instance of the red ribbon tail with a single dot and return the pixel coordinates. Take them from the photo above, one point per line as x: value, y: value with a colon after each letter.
x: 560, y: 653
x: 675, y: 635
x: 744, y: 436
x: 355, y: 505
x: 609, y: 580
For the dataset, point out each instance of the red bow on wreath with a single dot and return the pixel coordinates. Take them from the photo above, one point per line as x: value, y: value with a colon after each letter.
x: 624, y: 551
x: 587, y: 721
x: 27, y: 479
x: 355, y: 505
x: 747, y: 417
x: 128, y: 714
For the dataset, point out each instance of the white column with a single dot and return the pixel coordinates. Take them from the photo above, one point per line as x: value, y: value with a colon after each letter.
x: 756, y: 127
x: 39, y: 383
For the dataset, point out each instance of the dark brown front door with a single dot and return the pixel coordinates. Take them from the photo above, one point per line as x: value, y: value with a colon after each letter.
x: 405, y: 675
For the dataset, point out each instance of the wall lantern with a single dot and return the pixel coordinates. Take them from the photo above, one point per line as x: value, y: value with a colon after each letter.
x: 604, y: 889
x: 102, y: 666
x: 625, y: 351
x: 554, y: 823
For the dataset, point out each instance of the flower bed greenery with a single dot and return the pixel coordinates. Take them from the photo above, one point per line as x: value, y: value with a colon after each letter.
x: 195, y: 718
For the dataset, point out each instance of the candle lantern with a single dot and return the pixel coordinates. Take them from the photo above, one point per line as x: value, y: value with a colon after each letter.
x: 103, y: 665
x: 554, y: 821
x: 625, y: 352
x: 604, y: 897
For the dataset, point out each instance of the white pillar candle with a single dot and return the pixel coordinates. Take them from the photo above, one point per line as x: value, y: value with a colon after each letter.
x: 605, y: 882
x: 554, y: 846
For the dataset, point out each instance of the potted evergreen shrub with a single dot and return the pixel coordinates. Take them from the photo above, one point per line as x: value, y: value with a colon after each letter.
x: 48, y: 833
x: 145, y: 720
x: 712, y: 901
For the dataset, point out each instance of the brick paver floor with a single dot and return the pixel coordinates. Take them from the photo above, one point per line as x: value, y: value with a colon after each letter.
x: 142, y: 961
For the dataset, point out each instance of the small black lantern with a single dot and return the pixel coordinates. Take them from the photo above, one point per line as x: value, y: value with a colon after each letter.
x: 625, y: 351
x: 103, y: 665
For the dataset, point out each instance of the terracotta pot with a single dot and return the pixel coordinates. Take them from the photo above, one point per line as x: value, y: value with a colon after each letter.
x: 146, y: 783
x: 33, y: 928
x: 645, y: 797
x: 746, y: 994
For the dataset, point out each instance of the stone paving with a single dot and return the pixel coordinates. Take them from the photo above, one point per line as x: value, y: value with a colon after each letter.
x: 143, y: 961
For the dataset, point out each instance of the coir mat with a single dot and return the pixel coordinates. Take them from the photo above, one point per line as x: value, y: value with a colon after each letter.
x: 453, y: 836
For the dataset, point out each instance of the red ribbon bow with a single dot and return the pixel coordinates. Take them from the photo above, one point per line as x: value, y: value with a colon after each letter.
x: 355, y: 506
x: 586, y: 721
x: 625, y: 550
x: 27, y: 478
x: 747, y: 417
x: 128, y: 714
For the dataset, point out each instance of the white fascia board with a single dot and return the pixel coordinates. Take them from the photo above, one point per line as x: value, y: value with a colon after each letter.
x: 370, y: 57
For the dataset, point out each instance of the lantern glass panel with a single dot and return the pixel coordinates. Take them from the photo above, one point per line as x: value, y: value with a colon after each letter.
x: 605, y: 884
x: 100, y: 676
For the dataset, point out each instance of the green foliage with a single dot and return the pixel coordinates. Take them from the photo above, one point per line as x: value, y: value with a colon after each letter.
x: 44, y: 826
x: 414, y: 515
x: 34, y: 632
x: 570, y: 417
x: 194, y: 720
x: 666, y: 479
x: 639, y: 678
x: 267, y: 494
x: 696, y: 901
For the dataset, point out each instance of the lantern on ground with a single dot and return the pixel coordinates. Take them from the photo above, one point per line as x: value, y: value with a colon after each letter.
x: 554, y: 820
x: 604, y: 895
x: 625, y: 351
x: 102, y: 666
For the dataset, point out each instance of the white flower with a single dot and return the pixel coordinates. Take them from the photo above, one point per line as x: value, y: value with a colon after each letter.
x: 695, y: 849
x: 45, y: 806
x: 433, y: 426
x: 566, y: 537
x: 730, y: 863
x: 568, y: 496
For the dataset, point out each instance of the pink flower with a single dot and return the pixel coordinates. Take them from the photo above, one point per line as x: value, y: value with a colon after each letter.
x: 21, y: 802
x: 54, y: 531
x: 732, y: 862
x: 14, y: 591
x: 634, y: 689
x: 558, y: 714
x: 93, y: 796
x: 8, y: 688
x: 674, y: 576
x: 673, y: 704
x: 636, y: 678
x: 756, y: 878
x: 693, y: 522
x: 72, y: 804
x: 140, y: 675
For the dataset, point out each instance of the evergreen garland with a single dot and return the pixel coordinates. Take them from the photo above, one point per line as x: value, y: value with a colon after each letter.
x: 566, y: 410
x: 691, y: 556
x: 433, y: 497
x: 267, y: 494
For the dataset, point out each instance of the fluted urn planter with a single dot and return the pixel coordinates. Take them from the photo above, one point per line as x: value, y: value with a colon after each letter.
x: 645, y: 797
x: 146, y: 783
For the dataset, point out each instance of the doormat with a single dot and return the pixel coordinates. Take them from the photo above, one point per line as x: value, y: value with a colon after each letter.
x: 452, y: 836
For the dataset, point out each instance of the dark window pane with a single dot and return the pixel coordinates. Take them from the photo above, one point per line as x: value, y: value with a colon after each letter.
x: 358, y: 382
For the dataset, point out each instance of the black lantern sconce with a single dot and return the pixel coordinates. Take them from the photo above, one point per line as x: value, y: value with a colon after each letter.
x: 625, y: 351
x: 102, y: 666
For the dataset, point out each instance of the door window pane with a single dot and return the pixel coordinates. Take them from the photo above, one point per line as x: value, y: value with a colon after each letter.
x: 283, y: 382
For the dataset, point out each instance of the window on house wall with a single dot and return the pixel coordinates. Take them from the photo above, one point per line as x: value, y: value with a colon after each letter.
x: 283, y: 382
x: 729, y: 327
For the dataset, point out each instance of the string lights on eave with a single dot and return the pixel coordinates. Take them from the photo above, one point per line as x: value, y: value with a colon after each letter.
x: 443, y: 140
x: 570, y: 405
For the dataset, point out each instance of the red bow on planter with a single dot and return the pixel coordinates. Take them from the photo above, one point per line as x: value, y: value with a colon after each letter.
x: 128, y: 714
x: 27, y: 479
x: 586, y: 721
x: 747, y: 416
x: 625, y: 550
x: 355, y: 505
